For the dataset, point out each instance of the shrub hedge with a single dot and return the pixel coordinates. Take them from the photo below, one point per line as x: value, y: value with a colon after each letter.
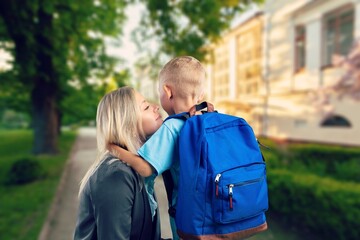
x: 342, y: 163
x: 321, y: 205
x: 338, y: 162
x: 24, y: 170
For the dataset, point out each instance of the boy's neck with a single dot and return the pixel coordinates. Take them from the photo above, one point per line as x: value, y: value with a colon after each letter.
x: 183, y: 105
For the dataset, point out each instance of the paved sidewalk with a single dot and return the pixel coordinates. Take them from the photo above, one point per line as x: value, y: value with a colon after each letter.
x: 61, y: 220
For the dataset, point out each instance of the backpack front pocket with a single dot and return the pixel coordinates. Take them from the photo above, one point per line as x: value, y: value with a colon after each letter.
x: 240, y: 193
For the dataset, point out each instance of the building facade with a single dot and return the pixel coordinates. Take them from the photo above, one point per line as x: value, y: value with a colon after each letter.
x: 271, y: 68
x: 234, y: 68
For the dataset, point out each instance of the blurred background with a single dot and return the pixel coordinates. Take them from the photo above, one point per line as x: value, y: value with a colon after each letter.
x: 289, y: 68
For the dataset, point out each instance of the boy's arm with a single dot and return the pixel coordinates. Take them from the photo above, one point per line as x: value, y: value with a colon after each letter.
x: 136, y: 162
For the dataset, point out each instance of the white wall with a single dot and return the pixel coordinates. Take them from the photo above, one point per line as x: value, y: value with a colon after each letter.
x: 292, y: 112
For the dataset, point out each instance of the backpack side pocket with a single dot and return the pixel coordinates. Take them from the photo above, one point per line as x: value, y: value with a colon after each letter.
x: 240, y: 193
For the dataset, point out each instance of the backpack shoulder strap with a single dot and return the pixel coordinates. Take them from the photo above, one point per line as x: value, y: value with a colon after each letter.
x: 193, y: 110
x: 183, y: 116
x: 167, y: 177
x: 201, y: 106
x: 169, y: 187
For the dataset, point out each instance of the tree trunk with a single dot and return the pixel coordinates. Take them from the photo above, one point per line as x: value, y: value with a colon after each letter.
x: 45, y: 120
x: 59, y: 120
x: 46, y: 88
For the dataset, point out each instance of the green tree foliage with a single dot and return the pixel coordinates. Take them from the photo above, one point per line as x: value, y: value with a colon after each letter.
x: 58, y: 45
x: 80, y: 105
x: 54, y: 42
x: 184, y: 27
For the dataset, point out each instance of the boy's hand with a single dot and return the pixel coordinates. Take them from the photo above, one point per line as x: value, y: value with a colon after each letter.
x: 113, y: 149
x: 135, y: 161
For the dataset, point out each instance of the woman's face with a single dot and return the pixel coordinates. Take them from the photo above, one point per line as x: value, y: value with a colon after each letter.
x: 151, y: 118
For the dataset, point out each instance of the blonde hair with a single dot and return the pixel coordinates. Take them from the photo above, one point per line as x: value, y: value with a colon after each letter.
x: 186, y: 74
x: 117, y: 121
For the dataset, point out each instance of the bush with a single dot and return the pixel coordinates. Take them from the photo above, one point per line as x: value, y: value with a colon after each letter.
x: 324, y: 206
x: 24, y: 171
x: 272, y: 153
x: 336, y: 162
x: 348, y: 171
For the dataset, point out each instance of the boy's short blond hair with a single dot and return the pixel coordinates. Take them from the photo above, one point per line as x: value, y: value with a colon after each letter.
x: 186, y: 74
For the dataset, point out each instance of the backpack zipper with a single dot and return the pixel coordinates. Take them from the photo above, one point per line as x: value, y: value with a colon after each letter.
x: 231, y: 196
x: 218, y: 176
x: 217, y: 179
x: 231, y: 186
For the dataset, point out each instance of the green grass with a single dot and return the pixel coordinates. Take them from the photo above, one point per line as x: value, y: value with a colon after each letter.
x: 23, y: 208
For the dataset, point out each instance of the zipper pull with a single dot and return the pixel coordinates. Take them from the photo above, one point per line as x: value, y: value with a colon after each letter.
x: 231, y: 196
x: 217, y: 179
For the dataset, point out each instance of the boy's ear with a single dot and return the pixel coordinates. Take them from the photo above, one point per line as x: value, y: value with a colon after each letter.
x: 168, y: 91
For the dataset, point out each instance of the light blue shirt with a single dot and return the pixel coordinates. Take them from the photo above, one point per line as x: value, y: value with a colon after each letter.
x: 161, y: 150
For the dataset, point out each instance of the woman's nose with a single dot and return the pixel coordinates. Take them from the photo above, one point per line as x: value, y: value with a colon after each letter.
x: 156, y: 108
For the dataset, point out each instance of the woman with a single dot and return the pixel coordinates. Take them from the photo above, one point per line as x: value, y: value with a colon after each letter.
x: 113, y: 200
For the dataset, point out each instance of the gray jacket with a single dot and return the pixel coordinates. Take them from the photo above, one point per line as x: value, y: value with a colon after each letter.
x: 114, y: 205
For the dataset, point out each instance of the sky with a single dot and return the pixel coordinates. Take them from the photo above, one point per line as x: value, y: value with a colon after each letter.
x: 4, y: 57
x: 127, y: 48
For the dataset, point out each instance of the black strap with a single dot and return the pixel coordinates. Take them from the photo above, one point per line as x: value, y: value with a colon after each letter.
x: 262, y: 145
x: 185, y: 115
x: 201, y: 106
x: 169, y: 186
x: 198, y: 107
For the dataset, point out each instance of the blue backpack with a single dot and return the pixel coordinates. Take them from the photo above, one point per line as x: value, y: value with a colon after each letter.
x: 222, y: 184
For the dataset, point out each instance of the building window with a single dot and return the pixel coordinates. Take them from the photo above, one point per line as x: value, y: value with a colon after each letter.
x: 248, y: 65
x: 339, y: 33
x: 221, y: 71
x: 300, y: 44
x: 336, y: 121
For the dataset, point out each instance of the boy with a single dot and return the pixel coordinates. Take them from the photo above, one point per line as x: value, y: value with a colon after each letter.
x: 181, y: 86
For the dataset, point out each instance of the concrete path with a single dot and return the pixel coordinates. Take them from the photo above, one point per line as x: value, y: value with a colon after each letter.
x: 61, y: 220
